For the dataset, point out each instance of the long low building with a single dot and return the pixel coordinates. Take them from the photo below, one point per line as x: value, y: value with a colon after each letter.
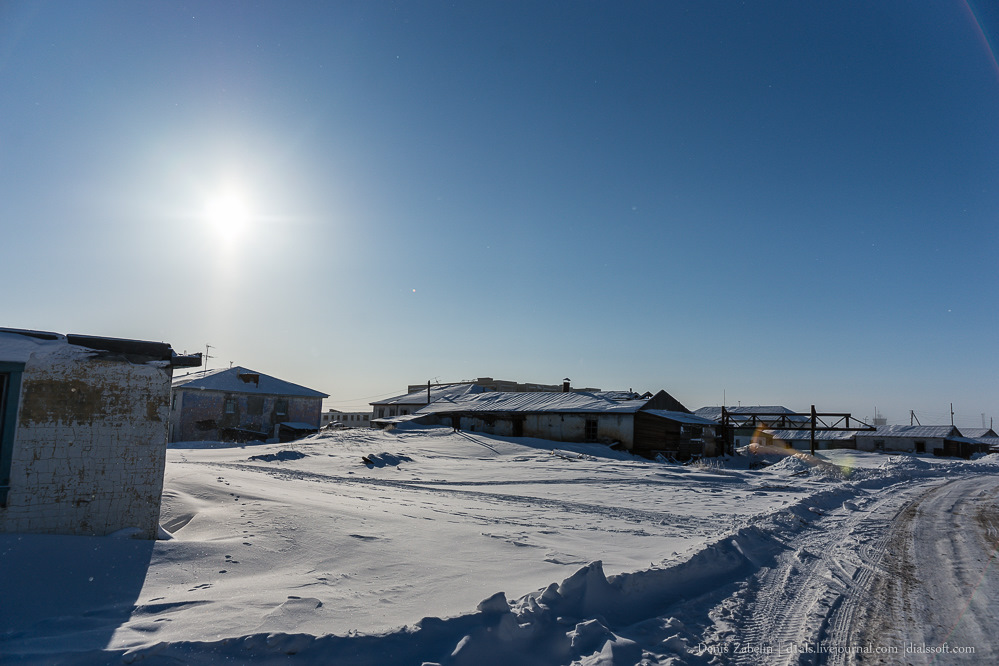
x: 802, y: 439
x: 647, y: 425
x: 939, y: 440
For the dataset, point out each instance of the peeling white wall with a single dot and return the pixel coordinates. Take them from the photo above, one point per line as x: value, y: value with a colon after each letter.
x: 90, y: 445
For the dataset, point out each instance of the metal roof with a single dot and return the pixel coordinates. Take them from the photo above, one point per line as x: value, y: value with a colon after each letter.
x: 681, y: 417
x: 938, y: 432
x: 796, y: 435
x: 541, y: 401
x: 242, y: 380
x: 978, y: 433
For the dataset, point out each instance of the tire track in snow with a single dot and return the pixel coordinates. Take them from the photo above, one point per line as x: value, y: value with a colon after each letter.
x: 809, y: 594
x: 939, y: 585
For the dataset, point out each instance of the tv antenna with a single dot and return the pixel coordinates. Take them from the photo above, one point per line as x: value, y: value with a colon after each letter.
x: 207, y: 356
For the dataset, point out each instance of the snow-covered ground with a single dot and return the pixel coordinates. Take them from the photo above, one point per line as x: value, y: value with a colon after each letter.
x: 424, y: 545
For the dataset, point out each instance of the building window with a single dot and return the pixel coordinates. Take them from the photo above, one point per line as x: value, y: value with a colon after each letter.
x: 381, y: 412
x: 590, y: 431
x: 879, y: 444
x: 230, y: 405
x: 920, y: 447
x: 281, y: 407
x: 10, y: 391
x: 255, y: 405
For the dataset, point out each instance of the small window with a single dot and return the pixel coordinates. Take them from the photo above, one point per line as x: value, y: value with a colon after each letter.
x: 230, y: 405
x: 920, y: 447
x: 590, y: 431
x: 281, y: 407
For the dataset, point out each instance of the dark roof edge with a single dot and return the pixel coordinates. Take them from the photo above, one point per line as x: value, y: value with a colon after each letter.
x: 138, y: 351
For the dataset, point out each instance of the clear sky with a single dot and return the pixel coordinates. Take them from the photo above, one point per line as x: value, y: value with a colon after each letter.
x: 776, y: 202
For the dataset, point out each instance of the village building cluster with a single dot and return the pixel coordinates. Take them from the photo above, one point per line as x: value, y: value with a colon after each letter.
x: 85, y: 422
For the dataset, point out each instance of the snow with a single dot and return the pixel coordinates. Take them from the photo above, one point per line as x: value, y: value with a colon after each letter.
x: 18, y: 348
x: 423, y: 545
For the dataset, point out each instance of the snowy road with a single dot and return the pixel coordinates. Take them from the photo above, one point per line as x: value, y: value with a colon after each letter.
x: 939, y: 591
x: 898, y: 577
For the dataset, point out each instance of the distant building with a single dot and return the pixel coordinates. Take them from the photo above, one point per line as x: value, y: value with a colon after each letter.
x: 348, y: 419
x: 938, y: 440
x: 238, y: 404
x: 83, y: 432
x: 421, y: 395
x: 490, y: 384
x: 648, y: 425
x: 801, y: 439
x: 409, y: 403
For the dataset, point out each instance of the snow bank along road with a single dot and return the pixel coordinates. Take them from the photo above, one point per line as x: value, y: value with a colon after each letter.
x: 902, y: 578
x: 304, y: 553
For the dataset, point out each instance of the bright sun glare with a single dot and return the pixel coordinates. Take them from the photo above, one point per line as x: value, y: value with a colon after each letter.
x: 228, y: 214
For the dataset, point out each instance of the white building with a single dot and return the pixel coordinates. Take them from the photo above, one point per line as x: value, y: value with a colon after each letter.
x: 345, y: 418
x: 938, y: 440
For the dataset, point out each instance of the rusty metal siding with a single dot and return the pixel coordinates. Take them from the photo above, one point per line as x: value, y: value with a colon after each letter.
x: 90, y: 447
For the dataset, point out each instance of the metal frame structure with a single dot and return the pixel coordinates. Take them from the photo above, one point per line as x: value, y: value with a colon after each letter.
x: 814, y: 422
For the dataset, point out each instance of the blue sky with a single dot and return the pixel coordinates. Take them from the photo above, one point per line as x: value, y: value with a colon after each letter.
x: 782, y: 202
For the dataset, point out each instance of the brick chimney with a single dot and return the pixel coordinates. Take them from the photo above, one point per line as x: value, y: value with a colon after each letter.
x: 565, y: 385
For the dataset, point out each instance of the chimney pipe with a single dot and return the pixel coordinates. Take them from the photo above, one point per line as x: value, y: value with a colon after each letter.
x: 565, y: 385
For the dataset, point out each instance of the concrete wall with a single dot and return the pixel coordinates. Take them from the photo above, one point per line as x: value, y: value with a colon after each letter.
x: 253, y: 412
x: 89, y: 447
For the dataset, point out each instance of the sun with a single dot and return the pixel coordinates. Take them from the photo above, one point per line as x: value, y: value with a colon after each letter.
x: 228, y: 214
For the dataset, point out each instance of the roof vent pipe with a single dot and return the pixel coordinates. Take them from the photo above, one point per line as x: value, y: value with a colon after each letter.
x: 565, y: 385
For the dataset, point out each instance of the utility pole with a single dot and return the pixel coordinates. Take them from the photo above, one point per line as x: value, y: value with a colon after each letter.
x: 813, y: 430
x: 428, y: 391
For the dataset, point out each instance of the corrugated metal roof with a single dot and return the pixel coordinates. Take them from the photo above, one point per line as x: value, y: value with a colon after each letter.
x: 789, y: 435
x: 912, y: 431
x: 500, y: 401
x: 715, y: 413
x: 978, y: 433
x: 242, y: 380
x: 681, y: 417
